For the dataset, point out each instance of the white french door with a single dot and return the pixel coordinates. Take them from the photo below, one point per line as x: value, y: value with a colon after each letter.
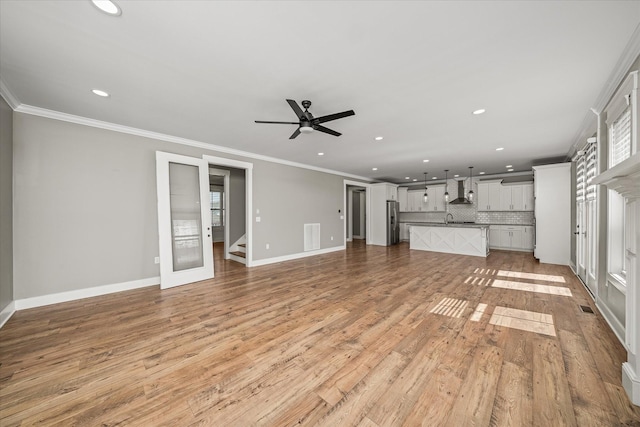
x: 184, y: 219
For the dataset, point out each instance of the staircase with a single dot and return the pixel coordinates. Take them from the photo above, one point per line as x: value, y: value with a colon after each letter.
x: 238, y: 251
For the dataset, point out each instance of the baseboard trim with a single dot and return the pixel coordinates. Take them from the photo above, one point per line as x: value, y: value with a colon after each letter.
x: 257, y: 263
x: 33, y: 302
x: 7, y: 312
x: 614, y: 324
x: 631, y: 383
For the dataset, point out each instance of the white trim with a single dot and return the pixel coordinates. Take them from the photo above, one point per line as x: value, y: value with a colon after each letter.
x: 226, y: 205
x: 627, y: 57
x: 169, y: 277
x: 631, y: 383
x: 8, y: 96
x: 367, y: 199
x: 297, y: 256
x: 611, y: 321
x: 51, y: 114
x: 7, y: 312
x: 248, y: 185
x: 23, y: 304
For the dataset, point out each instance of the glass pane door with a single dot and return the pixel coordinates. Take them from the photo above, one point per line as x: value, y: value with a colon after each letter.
x: 184, y: 219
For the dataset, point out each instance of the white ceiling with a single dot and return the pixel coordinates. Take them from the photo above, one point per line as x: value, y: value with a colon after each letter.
x: 412, y: 71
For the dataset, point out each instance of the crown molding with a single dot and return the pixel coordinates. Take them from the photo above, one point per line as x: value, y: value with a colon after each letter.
x: 85, y: 121
x: 8, y: 96
x: 589, y: 124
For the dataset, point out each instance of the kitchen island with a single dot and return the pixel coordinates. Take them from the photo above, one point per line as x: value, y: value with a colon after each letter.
x: 462, y: 239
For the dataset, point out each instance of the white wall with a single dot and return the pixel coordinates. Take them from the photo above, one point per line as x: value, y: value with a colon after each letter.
x: 6, y: 206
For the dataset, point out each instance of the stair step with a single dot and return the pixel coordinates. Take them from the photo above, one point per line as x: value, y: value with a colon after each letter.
x: 239, y: 254
x: 242, y: 245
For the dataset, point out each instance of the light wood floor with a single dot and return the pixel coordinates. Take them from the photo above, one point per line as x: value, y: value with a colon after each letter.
x: 360, y: 337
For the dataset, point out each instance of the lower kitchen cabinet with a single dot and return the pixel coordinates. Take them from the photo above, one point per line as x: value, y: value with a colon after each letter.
x: 404, y: 232
x: 513, y: 237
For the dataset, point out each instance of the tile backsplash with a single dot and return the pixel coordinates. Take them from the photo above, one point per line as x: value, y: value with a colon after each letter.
x: 469, y: 213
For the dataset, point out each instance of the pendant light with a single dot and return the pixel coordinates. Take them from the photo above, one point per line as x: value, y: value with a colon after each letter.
x: 426, y: 196
x: 470, y: 193
x: 446, y: 186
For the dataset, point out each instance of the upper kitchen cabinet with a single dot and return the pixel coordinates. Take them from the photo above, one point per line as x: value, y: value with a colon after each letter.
x: 403, y: 199
x: 436, y: 199
x: 415, y: 202
x: 528, y: 197
x: 511, y: 198
x: 392, y: 192
x: 489, y: 196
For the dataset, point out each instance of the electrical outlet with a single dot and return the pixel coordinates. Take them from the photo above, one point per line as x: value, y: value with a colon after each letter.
x: 257, y: 219
x: 156, y: 260
x: 331, y: 237
x: 341, y: 216
x: 267, y: 246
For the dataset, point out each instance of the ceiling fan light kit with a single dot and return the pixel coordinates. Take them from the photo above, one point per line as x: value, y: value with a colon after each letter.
x: 307, y: 123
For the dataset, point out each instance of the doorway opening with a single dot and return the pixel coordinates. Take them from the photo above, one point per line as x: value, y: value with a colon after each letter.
x: 357, y: 211
x: 231, y: 200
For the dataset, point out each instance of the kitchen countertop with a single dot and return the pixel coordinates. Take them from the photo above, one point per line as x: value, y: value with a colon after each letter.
x: 451, y: 224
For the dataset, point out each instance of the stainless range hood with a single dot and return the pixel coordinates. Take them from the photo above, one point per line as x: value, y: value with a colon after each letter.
x: 461, y: 200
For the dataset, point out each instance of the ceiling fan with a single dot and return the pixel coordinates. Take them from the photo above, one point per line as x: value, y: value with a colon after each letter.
x: 307, y: 123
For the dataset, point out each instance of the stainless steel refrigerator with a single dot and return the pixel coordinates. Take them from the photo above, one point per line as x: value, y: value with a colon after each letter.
x: 393, y: 228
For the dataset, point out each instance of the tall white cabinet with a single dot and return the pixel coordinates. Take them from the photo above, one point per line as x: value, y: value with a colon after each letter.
x: 552, y: 192
x: 379, y: 194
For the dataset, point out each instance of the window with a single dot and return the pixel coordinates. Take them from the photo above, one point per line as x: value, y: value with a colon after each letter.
x: 621, y: 118
x: 216, y: 198
x: 621, y: 121
x: 616, y: 237
x: 620, y: 138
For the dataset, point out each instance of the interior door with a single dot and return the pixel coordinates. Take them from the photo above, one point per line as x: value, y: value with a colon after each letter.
x: 580, y: 233
x: 184, y: 219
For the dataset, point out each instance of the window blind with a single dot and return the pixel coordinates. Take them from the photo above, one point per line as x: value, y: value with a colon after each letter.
x: 580, y: 179
x: 620, y: 138
x: 591, y: 169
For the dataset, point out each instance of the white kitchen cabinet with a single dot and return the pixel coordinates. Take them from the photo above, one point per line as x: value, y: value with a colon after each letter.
x: 436, y: 199
x: 403, y: 199
x: 494, y: 236
x: 392, y: 191
x: 511, y: 237
x: 404, y: 232
x: 527, y: 237
x: 527, y: 195
x: 511, y: 198
x: 516, y: 197
x: 416, y: 203
x: 552, y: 184
x: 488, y: 196
x: 379, y: 195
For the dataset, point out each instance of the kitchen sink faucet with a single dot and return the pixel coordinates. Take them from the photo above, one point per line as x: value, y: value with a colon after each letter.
x: 446, y: 218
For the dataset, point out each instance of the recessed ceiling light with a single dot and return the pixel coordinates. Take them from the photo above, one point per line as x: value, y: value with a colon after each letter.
x: 480, y: 111
x: 481, y: 173
x: 378, y: 138
x: 509, y: 166
x: 107, y: 6
x: 510, y: 170
x: 415, y: 179
x: 435, y: 177
x: 455, y: 176
x: 320, y: 154
x: 374, y: 169
x: 406, y: 177
x: 100, y: 93
x: 425, y: 161
x: 499, y: 148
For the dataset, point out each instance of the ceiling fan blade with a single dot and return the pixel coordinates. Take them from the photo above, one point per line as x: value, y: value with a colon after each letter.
x: 326, y: 130
x: 296, y: 109
x: 294, y: 134
x: 280, y: 123
x: 335, y: 116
